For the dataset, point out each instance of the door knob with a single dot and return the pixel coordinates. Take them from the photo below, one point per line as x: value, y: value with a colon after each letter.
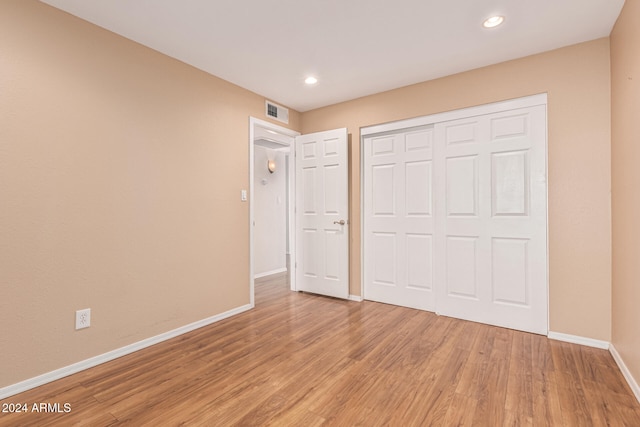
x: 341, y: 222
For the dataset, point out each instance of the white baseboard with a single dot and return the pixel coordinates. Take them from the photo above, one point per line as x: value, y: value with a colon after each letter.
x: 605, y: 346
x: 269, y: 273
x: 106, y: 357
x: 356, y: 298
x: 625, y: 372
x: 574, y: 339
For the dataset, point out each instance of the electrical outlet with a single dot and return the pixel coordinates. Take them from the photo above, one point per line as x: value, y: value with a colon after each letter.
x: 83, y: 318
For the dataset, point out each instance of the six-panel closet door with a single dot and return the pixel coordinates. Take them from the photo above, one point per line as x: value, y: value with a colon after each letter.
x: 399, y: 222
x: 455, y: 218
x: 491, y: 224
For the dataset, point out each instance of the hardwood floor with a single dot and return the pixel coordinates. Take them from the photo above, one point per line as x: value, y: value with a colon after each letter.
x: 304, y: 360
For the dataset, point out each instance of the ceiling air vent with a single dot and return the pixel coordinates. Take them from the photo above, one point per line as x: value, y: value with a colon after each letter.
x: 277, y: 112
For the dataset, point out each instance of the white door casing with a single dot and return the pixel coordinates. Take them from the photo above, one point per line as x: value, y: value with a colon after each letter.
x: 399, y: 222
x: 322, y: 228
x: 485, y: 213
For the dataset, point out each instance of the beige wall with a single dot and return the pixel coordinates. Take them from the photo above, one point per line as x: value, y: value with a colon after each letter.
x: 577, y: 80
x: 121, y: 169
x: 120, y: 179
x: 625, y: 147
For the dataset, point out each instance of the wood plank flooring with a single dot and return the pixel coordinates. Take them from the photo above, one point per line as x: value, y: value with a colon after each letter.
x: 304, y: 360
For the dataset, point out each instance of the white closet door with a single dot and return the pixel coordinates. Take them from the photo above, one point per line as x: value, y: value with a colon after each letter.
x: 398, y: 223
x: 491, y: 219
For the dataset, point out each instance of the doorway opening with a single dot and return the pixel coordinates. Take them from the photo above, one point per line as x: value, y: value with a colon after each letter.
x: 271, y: 202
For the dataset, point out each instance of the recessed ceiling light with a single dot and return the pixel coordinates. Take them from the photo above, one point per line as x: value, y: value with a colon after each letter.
x: 311, y: 80
x: 494, y: 21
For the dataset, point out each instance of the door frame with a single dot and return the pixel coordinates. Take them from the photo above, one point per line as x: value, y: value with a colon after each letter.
x: 253, y: 124
x: 396, y: 126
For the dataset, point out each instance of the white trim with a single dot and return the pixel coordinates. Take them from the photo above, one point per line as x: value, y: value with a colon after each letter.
x: 574, y: 339
x: 625, y: 371
x: 362, y: 214
x: 495, y: 107
x: 355, y: 298
x: 291, y: 194
x: 269, y: 273
x: 114, y: 354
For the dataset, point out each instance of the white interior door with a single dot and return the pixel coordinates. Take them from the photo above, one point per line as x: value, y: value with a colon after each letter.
x: 322, y: 213
x: 455, y: 214
x: 399, y: 226
x: 491, y: 219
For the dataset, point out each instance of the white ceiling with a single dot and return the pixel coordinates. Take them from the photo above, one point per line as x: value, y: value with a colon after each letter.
x: 354, y: 47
